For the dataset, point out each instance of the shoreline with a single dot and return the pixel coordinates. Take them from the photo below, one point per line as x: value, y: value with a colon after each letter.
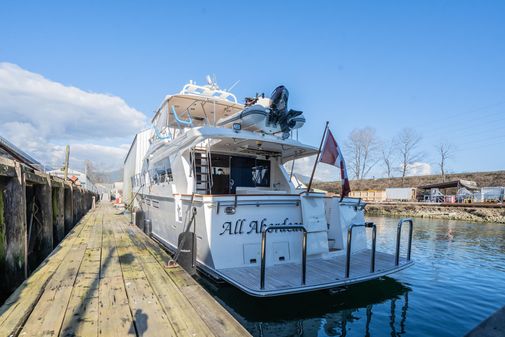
x: 475, y: 213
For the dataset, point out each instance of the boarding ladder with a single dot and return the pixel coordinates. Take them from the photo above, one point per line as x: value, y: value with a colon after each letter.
x: 202, y: 171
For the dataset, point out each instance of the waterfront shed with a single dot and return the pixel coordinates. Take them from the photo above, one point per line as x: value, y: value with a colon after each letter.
x: 444, y: 191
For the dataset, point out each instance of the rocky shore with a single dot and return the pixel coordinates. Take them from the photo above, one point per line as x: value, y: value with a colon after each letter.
x: 477, y: 214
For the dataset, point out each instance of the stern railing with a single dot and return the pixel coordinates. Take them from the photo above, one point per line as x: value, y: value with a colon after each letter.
x: 349, y: 243
x: 264, y: 250
x: 398, y: 239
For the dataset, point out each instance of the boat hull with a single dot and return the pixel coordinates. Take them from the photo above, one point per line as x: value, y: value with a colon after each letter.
x: 225, y: 254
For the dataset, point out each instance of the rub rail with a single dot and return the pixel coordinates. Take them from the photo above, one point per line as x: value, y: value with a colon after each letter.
x: 264, y: 248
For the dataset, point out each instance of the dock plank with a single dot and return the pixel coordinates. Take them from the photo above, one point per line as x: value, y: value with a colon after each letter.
x: 47, y: 316
x: 107, y: 278
x: 20, y: 304
x: 81, y: 317
x: 219, y: 321
x: 185, y: 320
x: 115, y: 319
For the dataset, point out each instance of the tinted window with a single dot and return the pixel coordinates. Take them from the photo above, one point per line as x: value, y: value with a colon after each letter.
x: 249, y: 172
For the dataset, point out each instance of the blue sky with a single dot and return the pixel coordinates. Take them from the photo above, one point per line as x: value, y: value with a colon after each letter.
x: 435, y: 66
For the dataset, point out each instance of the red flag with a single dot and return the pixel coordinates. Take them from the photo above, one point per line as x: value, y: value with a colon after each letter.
x: 331, y: 154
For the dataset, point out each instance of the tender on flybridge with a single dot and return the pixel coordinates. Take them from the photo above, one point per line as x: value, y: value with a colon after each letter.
x: 213, y: 184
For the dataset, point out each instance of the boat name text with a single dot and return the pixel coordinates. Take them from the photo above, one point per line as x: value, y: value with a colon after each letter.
x: 239, y: 226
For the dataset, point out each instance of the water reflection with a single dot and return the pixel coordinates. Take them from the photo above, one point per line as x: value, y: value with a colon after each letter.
x: 328, y: 313
x: 458, y: 279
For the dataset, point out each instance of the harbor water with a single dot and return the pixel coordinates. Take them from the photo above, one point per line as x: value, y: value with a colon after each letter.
x: 457, y: 281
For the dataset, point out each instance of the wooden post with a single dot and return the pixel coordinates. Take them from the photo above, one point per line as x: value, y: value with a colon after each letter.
x: 13, y: 248
x: 75, y: 204
x: 69, y: 217
x: 67, y: 158
x: 43, y: 193
x: 69, y: 208
x: 58, y: 213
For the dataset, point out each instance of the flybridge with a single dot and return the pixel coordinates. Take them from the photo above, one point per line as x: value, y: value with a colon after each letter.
x: 197, y: 106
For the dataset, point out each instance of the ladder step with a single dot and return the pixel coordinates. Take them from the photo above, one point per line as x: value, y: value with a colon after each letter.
x: 201, y: 168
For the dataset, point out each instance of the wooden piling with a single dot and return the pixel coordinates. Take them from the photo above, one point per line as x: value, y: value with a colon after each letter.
x: 43, y: 194
x: 36, y: 212
x: 58, y: 203
x: 12, y: 232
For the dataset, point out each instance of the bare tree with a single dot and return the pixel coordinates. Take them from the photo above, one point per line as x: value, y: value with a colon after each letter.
x: 93, y: 174
x: 388, y: 157
x: 407, y: 143
x: 362, y: 147
x: 445, y: 151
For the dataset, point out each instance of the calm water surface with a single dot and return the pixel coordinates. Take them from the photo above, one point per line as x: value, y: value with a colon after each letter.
x: 458, y: 280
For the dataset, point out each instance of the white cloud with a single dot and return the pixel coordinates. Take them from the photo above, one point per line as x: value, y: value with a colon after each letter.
x: 39, y: 115
x: 419, y: 169
x: 324, y: 172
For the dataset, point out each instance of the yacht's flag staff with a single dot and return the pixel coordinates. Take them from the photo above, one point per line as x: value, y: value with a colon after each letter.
x: 317, y: 157
x: 330, y: 153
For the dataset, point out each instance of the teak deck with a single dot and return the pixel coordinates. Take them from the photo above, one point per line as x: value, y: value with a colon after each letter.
x: 321, y: 273
x: 107, y: 278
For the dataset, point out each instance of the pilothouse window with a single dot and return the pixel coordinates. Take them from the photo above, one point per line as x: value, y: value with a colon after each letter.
x: 161, y: 172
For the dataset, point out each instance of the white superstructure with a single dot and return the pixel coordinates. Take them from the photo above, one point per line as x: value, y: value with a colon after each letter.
x: 214, y: 174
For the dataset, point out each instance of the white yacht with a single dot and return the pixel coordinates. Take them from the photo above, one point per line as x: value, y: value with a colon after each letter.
x: 214, y: 184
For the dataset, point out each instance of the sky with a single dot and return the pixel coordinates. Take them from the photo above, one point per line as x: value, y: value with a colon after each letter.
x: 90, y: 74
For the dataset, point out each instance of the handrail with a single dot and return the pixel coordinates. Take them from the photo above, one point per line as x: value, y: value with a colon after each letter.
x: 158, y: 134
x: 180, y: 121
x: 349, y: 242
x: 207, y: 91
x: 398, y: 237
x: 264, y: 248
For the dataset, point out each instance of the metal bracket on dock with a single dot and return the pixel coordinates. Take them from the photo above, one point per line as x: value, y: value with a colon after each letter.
x: 349, y: 242
x: 264, y: 249
x: 398, y: 237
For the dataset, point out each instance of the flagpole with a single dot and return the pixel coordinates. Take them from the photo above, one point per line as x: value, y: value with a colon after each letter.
x: 317, y: 157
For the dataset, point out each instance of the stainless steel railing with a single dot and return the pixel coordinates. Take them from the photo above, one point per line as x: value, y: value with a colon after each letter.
x: 349, y: 242
x: 264, y: 249
x: 398, y: 237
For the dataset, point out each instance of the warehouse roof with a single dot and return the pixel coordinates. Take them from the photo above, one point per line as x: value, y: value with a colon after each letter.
x: 471, y: 185
x: 9, y: 150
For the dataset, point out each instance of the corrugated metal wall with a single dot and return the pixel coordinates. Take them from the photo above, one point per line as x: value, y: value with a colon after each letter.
x: 133, y: 163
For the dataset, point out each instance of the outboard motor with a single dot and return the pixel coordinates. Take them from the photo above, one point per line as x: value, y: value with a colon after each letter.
x: 279, y: 111
x: 279, y: 99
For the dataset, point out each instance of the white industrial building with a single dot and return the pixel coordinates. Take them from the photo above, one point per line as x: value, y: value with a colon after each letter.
x: 133, y: 164
x: 82, y: 179
x: 401, y: 194
x: 490, y: 194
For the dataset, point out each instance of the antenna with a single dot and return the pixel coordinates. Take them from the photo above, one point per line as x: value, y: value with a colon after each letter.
x: 233, y: 85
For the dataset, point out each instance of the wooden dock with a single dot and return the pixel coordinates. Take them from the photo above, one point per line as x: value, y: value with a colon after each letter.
x: 107, y: 278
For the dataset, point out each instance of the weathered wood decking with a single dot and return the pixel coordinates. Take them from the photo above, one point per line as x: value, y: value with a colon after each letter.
x: 107, y: 278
